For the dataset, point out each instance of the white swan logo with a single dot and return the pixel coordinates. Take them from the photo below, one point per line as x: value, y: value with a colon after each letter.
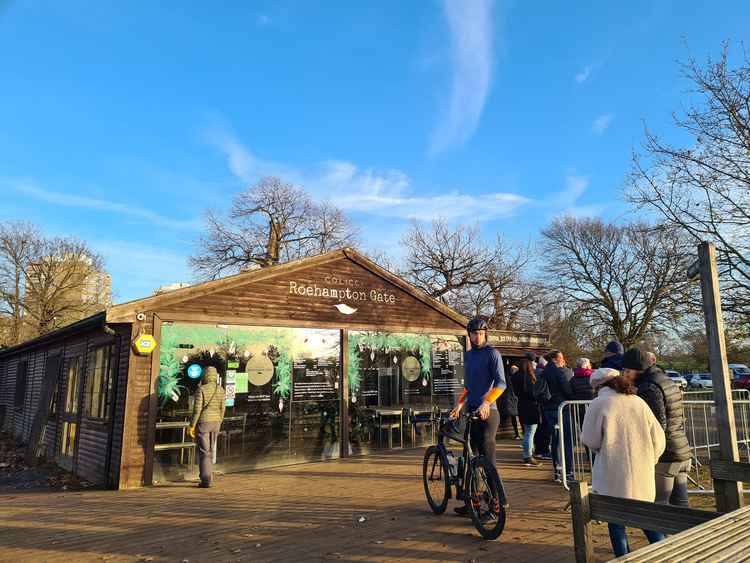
x: 345, y: 309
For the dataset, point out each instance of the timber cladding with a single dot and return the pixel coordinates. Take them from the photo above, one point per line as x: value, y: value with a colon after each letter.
x: 336, y: 294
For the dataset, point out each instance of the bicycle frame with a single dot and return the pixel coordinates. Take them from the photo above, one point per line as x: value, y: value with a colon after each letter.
x: 461, y: 478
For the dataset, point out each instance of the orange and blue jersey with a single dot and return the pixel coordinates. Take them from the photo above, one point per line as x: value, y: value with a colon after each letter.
x: 484, y: 377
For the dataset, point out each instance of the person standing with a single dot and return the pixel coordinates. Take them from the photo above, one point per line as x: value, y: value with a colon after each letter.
x: 664, y: 398
x: 581, y: 380
x: 484, y: 379
x: 208, y: 413
x: 628, y: 440
x: 557, y: 376
x: 529, y: 389
x: 613, y: 355
x: 509, y: 405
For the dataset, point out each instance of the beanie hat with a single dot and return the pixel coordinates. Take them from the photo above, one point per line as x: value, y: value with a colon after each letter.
x: 602, y: 375
x: 530, y: 356
x: 614, y: 347
x: 634, y: 359
x: 210, y: 375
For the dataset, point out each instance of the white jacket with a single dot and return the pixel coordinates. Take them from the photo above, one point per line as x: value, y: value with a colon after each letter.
x: 628, y: 441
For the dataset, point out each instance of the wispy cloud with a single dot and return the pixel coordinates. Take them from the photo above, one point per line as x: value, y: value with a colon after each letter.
x: 71, y: 200
x: 471, y: 30
x: 568, y: 201
x: 583, y: 76
x: 385, y: 193
x: 602, y: 123
x: 389, y: 193
x: 241, y: 161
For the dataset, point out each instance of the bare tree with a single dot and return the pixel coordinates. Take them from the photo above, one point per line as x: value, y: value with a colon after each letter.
x: 457, y: 266
x: 46, y: 283
x: 625, y: 280
x: 65, y: 282
x: 704, y: 189
x: 269, y: 223
x: 18, y: 243
x: 441, y: 260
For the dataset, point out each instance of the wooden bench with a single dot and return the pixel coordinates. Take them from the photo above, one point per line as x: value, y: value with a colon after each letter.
x: 663, y: 518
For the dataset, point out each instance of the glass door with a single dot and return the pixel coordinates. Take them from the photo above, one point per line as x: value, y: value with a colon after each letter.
x: 69, y: 416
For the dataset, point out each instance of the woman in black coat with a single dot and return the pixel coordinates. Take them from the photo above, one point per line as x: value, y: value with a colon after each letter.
x: 509, y: 406
x: 530, y: 390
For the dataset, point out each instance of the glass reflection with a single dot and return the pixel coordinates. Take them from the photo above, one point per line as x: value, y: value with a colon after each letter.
x: 282, y: 389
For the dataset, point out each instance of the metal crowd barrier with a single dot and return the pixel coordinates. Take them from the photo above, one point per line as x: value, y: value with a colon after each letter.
x: 737, y: 395
x: 700, y: 427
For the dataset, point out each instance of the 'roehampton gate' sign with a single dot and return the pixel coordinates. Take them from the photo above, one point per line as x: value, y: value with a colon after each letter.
x: 341, y: 288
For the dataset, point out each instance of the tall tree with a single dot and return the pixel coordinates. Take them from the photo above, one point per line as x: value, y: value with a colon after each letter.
x: 46, y: 282
x: 65, y: 282
x: 625, y: 280
x: 459, y: 267
x: 19, y: 242
x: 704, y: 188
x: 269, y: 223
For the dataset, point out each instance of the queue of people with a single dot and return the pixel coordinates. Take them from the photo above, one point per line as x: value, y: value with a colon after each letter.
x: 633, y: 427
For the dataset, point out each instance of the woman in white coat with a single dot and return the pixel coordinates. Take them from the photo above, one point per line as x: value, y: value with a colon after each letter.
x: 628, y: 441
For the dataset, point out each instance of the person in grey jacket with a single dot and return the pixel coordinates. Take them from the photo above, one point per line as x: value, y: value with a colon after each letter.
x: 664, y: 398
x: 208, y: 414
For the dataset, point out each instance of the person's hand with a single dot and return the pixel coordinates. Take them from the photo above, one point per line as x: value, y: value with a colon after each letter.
x: 191, y: 431
x: 456, y: 411
x: 484, y: 411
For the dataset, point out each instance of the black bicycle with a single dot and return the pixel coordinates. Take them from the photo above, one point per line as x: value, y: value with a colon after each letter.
x: 476, y: 480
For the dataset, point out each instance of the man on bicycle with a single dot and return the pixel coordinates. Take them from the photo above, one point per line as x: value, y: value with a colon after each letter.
x: 484, y: 382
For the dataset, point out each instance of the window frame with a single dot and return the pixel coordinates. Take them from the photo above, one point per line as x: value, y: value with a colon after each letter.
x: 99, y: 385
x: 19, y: 399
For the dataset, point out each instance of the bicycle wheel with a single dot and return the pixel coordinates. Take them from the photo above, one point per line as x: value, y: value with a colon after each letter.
x: 487, y: 499
x: 436, y: 479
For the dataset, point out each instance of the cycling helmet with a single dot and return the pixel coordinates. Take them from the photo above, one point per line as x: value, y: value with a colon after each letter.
x: 476, y: 324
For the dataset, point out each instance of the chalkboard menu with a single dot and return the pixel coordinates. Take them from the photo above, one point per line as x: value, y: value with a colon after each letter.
x: 315, y: 379
x: 447, y: 372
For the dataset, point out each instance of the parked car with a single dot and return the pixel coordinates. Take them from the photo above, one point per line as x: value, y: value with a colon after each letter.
x: 742, y: 383
x: 676, y: 376
x: 738, y: 371
x: 702, y: 381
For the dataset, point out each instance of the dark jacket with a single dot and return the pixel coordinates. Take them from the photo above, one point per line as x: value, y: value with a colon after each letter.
x: 526, y: 391
x: 664, y: 398
x: 558, y: 382
x: 508, y: 402
x: 613, y: 362
x: 581, y: 384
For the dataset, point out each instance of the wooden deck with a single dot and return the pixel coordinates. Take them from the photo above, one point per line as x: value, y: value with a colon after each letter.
x: 299, y: 513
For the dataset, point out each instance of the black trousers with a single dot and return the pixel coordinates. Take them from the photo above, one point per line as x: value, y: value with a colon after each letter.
x: 542, y: 438
x: 483, y: 434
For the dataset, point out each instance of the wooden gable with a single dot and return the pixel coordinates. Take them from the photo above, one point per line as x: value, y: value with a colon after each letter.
x: 338, y: 289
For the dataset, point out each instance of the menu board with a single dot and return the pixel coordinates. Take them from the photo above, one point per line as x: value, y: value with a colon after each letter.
x: 368, y: 388
x: 447, y: 372
x: 315, y: 379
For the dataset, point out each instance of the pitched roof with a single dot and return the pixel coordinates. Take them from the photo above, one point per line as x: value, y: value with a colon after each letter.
x: 125, y: 312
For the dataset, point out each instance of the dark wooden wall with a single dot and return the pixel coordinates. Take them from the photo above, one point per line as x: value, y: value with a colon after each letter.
x: 98, y: 442
x: 270, y: 301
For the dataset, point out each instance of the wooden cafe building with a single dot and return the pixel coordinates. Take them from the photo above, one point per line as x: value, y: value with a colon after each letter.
x: 296, y: 345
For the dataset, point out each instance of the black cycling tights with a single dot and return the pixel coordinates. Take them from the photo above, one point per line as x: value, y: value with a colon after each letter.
x: 483, y: 435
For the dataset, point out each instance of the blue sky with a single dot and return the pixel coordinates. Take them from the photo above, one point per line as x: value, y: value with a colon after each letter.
x: 121, y: 123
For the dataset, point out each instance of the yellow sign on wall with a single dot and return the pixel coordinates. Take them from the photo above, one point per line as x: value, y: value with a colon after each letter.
x: 145, y: 344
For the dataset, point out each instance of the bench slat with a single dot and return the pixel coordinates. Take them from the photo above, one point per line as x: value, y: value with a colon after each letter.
x: 730, y: 470
x: 646, y: 515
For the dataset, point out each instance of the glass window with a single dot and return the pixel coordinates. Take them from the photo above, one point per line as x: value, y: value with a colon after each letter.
x: 21, y: 377
x: 282, y: 389
x: 71, y: 387
x: 99, y: 381
x: 398, y: 383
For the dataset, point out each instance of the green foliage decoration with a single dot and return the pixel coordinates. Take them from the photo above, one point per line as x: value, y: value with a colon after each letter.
x: 420, y: 345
